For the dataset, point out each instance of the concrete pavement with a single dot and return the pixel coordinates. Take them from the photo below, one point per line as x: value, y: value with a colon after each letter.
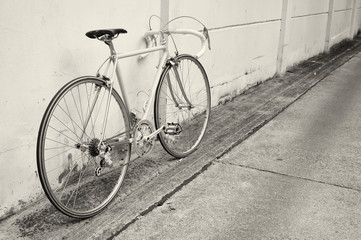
x: 296, y: 178
x: 153, y: 180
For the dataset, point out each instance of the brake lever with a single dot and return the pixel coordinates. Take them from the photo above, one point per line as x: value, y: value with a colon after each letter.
x: 206, y: 35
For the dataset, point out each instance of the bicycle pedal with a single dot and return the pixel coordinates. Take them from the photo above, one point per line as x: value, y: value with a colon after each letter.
x: 173, y: 129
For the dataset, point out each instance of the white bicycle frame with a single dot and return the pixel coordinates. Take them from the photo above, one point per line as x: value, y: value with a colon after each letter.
x: 142, y: 53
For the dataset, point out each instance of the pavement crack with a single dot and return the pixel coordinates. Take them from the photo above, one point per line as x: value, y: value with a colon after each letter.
x: 161, y: 201
x: 290, y: 176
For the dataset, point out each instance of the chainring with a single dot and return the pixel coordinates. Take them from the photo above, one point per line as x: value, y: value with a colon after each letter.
x: 142, y: 145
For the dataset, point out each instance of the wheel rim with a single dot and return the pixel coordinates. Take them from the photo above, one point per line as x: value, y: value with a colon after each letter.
x: 185, y: 118
x: 69, y: 153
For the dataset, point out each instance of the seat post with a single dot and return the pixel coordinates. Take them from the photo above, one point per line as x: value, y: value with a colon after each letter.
x: 111, y: 47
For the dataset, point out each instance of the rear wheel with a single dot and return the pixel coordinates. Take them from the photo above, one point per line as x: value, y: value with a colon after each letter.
x: 80, y: 174
x: 182, y: 105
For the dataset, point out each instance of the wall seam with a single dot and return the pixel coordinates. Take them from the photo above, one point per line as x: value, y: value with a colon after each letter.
x: 343, y: 10
x: 352, y: 32
x: 243, y: 24
x: 310, y: 15
x: 164, y: 12
x: 284, y: 36
x: 331, y: 10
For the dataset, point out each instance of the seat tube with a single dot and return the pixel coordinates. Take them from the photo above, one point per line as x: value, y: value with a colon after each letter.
x: 118, y: 73
x: 121, y: 85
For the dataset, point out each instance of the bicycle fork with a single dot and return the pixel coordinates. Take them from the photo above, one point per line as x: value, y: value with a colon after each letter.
x: 174, y: 65
x: 172, y: 128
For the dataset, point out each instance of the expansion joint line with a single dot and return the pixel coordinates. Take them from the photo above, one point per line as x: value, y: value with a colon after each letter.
x: 288, y: 175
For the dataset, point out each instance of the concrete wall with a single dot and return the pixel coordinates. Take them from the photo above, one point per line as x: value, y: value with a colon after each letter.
x: 358, y: 16
x: 308, y: 29
x: 43, y: 46
x: 243, y: 40
x: 341, y: 26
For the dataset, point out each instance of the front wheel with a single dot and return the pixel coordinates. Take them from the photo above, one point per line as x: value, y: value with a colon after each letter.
x: 182, y: 105
x: 81, y: 164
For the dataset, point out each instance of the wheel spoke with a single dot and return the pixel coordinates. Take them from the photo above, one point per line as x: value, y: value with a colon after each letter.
x: 64, y: 144
x: 62, y: 153
x: 96, y: 116
x: 67, y: 179
x: 60, y: 132
x: 71, y: 119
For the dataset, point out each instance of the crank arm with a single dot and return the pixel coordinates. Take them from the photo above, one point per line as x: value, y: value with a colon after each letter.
x: 155, y: 133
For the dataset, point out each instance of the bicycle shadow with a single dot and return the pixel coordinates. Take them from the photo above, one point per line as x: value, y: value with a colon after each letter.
x: 44, y: 219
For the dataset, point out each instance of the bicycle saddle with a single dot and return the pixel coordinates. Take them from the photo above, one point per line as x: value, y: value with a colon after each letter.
x: 110, y: 32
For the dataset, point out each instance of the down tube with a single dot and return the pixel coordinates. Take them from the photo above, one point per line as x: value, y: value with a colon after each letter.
x: 155, y: 85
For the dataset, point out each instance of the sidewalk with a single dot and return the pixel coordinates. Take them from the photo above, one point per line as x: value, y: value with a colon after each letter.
x: 296, y: 178
x: 154, y: 182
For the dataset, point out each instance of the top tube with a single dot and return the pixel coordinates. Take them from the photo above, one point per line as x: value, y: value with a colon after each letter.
x: 141, y: 52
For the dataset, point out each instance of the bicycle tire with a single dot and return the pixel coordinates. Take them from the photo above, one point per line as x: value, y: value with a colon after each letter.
x: 69, y: 151
x: 182, y: 106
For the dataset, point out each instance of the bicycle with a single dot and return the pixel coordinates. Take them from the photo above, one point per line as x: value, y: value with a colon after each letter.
x: 87, y: 131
